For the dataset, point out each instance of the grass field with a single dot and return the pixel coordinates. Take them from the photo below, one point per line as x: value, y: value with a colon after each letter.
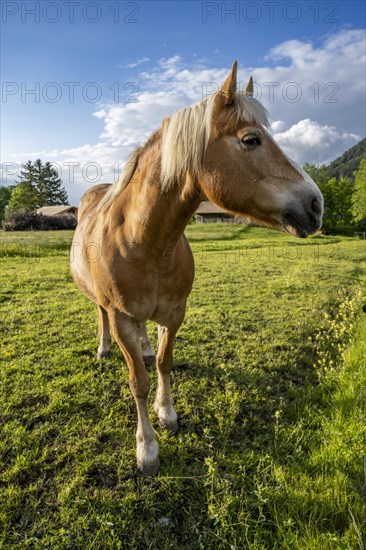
x: 269, y: 384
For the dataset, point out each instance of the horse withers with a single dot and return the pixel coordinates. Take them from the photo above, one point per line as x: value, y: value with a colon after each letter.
x: 219, y: 149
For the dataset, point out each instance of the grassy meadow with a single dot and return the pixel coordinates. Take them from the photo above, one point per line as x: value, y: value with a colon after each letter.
x: 269, y: 383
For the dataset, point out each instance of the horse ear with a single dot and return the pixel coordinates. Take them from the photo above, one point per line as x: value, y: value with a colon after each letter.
x: 249, y: 89
x: 228, y: 89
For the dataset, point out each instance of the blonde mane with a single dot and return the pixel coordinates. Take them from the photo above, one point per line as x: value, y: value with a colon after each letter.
x: 125, y: 178
x: 184, y: 141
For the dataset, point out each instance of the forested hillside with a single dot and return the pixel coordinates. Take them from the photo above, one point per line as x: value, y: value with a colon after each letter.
x: 346, y: 164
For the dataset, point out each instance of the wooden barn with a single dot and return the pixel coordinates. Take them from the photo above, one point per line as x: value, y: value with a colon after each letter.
x: 62, y: 210
x: 207, y: 212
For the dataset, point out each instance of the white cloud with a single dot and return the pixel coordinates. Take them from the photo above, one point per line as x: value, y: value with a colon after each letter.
x: 278, y: 126
x: 317, y: 103
x: 310, y: 140
x: 135, y: 63
x: 324, y: 83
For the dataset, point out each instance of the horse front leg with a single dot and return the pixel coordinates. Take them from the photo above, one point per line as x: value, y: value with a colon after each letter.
x: 164, y: 405
x: 127, y: 335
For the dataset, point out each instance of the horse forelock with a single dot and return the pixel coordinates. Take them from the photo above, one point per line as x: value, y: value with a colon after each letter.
x: 251, y: 110
x: 186, y: 137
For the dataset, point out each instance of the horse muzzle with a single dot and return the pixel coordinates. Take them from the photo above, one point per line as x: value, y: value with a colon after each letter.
x: 303, y: 220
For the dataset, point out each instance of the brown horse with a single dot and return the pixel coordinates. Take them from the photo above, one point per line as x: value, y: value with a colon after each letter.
x: 130, y: 255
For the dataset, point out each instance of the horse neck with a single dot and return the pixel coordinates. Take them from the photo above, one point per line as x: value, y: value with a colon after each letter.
x: 155, y: 219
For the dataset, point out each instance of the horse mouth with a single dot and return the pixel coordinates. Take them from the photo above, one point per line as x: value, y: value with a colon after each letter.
x: 293, y: 226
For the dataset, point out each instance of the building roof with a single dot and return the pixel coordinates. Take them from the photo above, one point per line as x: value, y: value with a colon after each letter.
x: 208, y: 207
x: 60, y: 210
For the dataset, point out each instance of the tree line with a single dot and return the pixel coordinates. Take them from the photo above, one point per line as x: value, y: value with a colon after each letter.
x: 344, y: 198
x: 39, y: 185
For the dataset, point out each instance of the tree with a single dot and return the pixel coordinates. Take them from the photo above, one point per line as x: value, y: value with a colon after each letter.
x: 319, y: 174
x: 343, y: 196
x: 27, y: 173
x: 39, y: 185
x: 5, y: 194
x: 337, y: 202
x: 23, y: 197
x: 337, y: 195
x: 49, y: 185
x: 359, y: 196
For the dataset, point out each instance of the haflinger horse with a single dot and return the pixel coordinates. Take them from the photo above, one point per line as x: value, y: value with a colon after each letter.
x: 141, y: 267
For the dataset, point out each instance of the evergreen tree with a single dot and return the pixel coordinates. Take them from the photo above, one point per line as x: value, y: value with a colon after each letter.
x: 39, y: 185
x: 51, y: 192
x: 39, y: 182
x: 27, y: 173
x: 359, y: 196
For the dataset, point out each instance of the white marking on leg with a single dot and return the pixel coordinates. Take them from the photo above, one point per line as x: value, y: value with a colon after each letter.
x: 104, y: 349
x: 146, y: 453
x: 163, y: 405
x: 147, y: 449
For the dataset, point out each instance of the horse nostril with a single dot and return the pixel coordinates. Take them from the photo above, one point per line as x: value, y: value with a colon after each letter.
x: 316, y: 206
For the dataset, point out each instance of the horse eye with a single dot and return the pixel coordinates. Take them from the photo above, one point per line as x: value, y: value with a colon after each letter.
x: 251, y: 140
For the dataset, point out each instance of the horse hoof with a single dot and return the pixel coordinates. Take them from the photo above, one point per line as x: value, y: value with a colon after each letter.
x: 103, y: 354
x: 149, y: 469
x: 149, y: 360
x: 171, y: 427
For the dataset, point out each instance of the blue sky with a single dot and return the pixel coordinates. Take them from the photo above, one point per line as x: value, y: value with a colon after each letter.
x: 105, y: 73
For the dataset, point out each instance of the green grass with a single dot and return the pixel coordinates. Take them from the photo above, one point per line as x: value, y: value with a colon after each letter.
x: 269, y: 385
